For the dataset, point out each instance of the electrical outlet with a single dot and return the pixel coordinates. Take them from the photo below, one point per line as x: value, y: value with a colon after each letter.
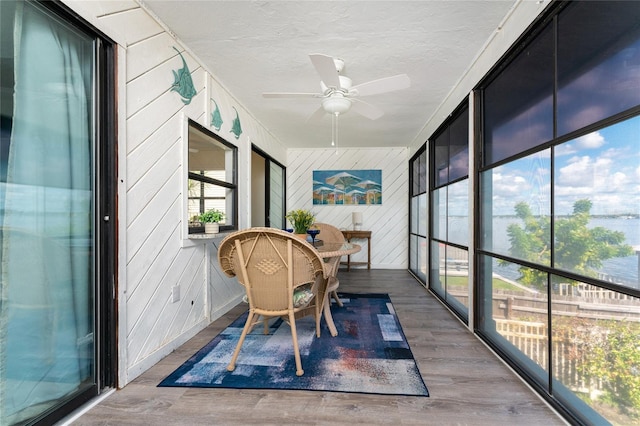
x: 175, y: 293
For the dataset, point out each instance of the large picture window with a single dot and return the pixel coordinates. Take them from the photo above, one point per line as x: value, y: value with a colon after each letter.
x: 418, y: 214
x: 559, y: 246
x: 449, y: 242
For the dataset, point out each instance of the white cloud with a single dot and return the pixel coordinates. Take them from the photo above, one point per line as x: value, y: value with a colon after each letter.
x: 593, y: 140
x: 578, y: 172
x: 590, y: 141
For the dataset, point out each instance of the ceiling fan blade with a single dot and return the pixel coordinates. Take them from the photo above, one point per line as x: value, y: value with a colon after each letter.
x: 326, y: 68
x: 317, y: 115
x: 291, y: 95
x: 366, y: 109
x: 383, y: 85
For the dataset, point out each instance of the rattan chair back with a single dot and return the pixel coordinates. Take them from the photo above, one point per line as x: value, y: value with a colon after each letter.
x: 273, y: 265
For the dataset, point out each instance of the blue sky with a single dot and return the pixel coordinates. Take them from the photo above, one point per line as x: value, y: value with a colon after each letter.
x: 603, y: 166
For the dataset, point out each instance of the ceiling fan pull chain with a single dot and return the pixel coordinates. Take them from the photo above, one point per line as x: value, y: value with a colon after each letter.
x: 335, y: 126
x: 333, y: 130
x: 337, y: 116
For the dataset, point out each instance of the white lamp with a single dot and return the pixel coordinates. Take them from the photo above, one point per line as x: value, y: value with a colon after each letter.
x: 356, y: 219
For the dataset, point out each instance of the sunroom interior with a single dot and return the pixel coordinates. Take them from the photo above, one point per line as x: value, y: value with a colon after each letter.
x: 509, y: 187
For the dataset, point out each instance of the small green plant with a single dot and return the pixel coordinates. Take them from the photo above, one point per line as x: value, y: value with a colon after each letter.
x: 211, y: 216
x: 301, y: 220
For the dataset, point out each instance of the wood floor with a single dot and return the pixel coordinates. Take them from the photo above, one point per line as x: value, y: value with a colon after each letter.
x: 467, y: 383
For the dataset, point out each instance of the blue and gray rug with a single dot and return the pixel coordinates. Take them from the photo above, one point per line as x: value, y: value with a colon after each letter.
x: 369, y: 355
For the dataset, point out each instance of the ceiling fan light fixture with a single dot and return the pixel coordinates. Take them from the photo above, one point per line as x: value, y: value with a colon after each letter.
x: 336, y: 104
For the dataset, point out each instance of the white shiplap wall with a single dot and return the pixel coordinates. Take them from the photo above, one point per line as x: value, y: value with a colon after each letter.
x: 154, y: 257
x: 387, y: 221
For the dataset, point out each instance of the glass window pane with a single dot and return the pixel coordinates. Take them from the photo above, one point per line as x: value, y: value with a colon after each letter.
x: 414, y: 215
x: 515, y: 314
x: 438, y: 262
x: 212, y: 178
x: 413, y: 253
x: 457, y: 279
x: 439, y: 213
x: 210, y: 157
x: 422, y: 258
x: 419, y: 173
x: 422, y: 214
x: 441, y: 159
x: 423, y: 172
x: 518, y: 104
x: 458, y: 212
x: 47, y: 213
x: 597, y: 204
x: 459, y: 146
x: 418, y: 257
x: 516, y: 209
x: 598, y: 62
x: 595, y: 351
x: 415, y: 176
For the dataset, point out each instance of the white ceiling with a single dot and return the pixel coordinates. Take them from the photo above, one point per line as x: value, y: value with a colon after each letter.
x: 253, y: 47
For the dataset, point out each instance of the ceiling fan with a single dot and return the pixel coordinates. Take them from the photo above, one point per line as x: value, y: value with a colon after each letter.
x: 339, y: 96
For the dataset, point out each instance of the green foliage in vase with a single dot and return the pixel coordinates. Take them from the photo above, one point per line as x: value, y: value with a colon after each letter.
x: 211, y: 216
x: 301, y: 220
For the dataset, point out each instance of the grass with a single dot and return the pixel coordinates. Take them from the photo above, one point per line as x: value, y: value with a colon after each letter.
x: 498, y: 284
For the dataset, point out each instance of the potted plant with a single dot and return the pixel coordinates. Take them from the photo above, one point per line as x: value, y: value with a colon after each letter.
x: 211, y: 219
x: 301, y: 220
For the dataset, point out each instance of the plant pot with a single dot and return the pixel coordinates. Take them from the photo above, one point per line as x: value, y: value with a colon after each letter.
x: 211, y: 228
x: 303, y: 237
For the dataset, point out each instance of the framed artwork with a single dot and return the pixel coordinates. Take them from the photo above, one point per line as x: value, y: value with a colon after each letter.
x: 347, y: 187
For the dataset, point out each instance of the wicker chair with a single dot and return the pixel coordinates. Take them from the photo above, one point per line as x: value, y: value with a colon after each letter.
x: 331, y: 234
x: 278, y: 270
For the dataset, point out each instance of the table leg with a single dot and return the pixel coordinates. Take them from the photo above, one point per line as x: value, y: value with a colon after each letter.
x: 328, y: 318
x: 349, y: 258
x: 332, y: 285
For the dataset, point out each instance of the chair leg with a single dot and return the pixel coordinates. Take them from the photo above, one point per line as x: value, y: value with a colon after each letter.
x: 247, y: 327
x: 337, y: 299
x: 332, y: 289
x: 318, y: 317
x: 296, y: 349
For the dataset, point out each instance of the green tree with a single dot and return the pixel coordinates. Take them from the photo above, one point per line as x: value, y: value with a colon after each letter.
x: 577, y: 247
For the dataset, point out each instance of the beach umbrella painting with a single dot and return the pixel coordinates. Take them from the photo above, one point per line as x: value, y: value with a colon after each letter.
x: 343, y: 180
x: 355, y: 195
x: 336, y: 195
x: 370, y: 187
x: 321, y: 191
x: 347, y: 187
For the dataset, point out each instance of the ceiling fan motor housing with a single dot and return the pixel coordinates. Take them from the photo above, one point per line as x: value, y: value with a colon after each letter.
x: 336, y: 103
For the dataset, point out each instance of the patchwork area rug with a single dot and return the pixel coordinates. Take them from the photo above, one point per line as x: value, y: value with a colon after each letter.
x: 369, y: 355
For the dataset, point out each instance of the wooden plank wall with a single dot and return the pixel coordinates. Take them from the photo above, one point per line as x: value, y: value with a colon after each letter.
x: 154, y: 257
x: 387, y: 221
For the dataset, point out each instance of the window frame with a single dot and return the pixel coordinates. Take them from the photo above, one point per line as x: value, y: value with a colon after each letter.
x: 198, y: 232
x: 571, y: 408
x: 440, y: 184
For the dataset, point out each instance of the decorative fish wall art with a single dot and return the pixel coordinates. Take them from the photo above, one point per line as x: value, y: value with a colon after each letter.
x: 183, y: 83
x: 236, y: 129
x: 216, y: 118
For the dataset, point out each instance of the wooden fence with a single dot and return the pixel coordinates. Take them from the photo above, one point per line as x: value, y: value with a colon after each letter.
x: 569, y: 353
